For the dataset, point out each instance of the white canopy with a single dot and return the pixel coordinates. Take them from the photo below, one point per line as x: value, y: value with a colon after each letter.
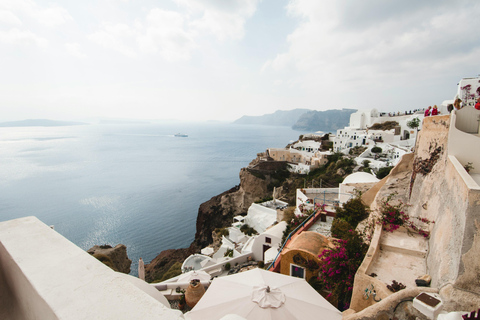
x: 207, y: 251
x: 260, y: 294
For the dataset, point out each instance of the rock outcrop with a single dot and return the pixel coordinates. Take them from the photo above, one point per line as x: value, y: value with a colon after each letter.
x: 116, y: 258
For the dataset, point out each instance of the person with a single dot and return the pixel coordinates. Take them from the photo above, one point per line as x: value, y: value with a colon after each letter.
x: 477, y: 105
x: 435, y: 110
x: 456, y: 104
x: 450, y: 108
x: 427, y: 111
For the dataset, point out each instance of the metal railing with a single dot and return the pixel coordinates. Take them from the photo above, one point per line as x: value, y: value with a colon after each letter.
x: 290, y: 236
x: 334, y: 202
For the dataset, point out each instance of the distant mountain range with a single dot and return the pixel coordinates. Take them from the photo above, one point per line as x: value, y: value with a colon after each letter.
x: 278, y: 118
x: 303, y: 119
x: 40, y: 123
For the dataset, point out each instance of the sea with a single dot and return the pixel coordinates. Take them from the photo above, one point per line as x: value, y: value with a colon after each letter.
x: 134, y: 184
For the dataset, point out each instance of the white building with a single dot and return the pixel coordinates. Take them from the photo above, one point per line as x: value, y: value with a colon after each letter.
x: 302, y: 157
x: 261, y: 216
x: 358, y: 134
x: 265, y: 246
x: 389, y: 156
x: 358, y: 181
x: 469, y: 91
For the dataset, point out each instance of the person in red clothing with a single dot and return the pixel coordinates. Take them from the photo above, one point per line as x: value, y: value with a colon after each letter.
x: 477, y: 105
x: 427, y: 112
x: 434, y: 110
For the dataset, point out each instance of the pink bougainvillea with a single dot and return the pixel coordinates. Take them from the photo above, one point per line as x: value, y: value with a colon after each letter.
x: 394, y: 216
x: 339, y: 265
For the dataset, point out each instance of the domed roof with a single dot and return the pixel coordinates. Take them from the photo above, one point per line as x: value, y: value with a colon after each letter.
x: 360, y: 177
x: 311, y: 242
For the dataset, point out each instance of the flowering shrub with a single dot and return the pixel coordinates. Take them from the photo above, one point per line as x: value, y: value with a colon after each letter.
x: 339, y: 265
x: 292, y: 224
x: 393, y: 216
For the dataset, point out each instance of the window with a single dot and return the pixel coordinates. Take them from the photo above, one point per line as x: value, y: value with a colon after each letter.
x: 297, y: 271
x: 268, y: 240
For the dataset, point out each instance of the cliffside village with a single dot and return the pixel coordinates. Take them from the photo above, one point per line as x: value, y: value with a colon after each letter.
x: 262, y: 272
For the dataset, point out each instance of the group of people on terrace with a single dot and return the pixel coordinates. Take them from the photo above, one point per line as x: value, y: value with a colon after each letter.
x: 431, y: 112
x: 458, y: 104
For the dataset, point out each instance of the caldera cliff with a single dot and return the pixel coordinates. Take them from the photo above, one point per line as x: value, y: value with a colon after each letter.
x: 256, y: 182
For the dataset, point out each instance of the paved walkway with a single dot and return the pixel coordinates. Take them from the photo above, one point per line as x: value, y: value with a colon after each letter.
x: 404, y: 253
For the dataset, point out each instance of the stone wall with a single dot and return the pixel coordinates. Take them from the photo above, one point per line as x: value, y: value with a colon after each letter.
x: 436, y: 187
x: 442, y: 191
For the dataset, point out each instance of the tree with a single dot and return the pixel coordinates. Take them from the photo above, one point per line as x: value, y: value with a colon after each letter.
x: 353, y: 211
x: 383, y: 172
x: 414, y: 124
x: 376, y: 151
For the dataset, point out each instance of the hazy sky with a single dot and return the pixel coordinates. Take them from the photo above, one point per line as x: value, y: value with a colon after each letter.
x: 221, y: 59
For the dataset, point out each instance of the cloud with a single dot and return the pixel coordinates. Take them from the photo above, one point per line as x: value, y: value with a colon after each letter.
x: 164, y: 32
x: 74, y: 50
x: 24, y: 20
x: 118, y: 37
x: 22, y: 37
x: 8, y: 18
x: 223, y: 19
x: 52, y: 17
x: 374, y: 43
x: 174, y: 34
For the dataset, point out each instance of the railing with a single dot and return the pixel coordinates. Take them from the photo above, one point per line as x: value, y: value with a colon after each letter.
x: 335, y: 203
x: 313, y: 215
x: 290, y: 236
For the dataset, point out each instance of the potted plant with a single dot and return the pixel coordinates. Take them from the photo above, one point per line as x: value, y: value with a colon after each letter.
x: 468, y: 166
x: 181, y: 301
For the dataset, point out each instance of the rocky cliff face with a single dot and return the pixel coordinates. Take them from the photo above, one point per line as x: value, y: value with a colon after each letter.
x: 255, y: 184
x: 116, y: 258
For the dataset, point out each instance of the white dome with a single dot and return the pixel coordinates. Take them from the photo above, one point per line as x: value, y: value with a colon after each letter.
x: 360, y: 177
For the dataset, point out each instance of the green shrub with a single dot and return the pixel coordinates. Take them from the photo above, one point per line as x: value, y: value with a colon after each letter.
x: 228, y: 253
x: 357, y: 150
x: 175, y: 270
x: 261, y: 264
x: 383, y: 172
x: 353, y: 211
x: 248, y: 230
x: 222, y: 231
x: 340, y: 228
x: 376, y: 150
x: 264, y: 199
x: 227, y: 266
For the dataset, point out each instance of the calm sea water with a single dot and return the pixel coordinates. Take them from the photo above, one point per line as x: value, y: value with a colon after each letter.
x: 132, y: 184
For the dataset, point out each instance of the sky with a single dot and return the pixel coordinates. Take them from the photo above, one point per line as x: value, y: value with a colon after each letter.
x: 222, y: 59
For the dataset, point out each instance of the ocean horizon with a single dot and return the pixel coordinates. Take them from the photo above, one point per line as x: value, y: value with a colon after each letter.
x: 135, y: 184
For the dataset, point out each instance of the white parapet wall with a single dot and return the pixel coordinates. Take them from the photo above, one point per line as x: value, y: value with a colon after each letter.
x: 463, y: 139
x: 45, y: 276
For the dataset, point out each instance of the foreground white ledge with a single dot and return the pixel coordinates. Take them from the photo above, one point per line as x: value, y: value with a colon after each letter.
x: 45, y: 276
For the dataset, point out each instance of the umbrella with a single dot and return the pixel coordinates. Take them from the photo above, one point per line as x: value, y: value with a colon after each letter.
x: 260, y: 294
x: 199, y: 275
